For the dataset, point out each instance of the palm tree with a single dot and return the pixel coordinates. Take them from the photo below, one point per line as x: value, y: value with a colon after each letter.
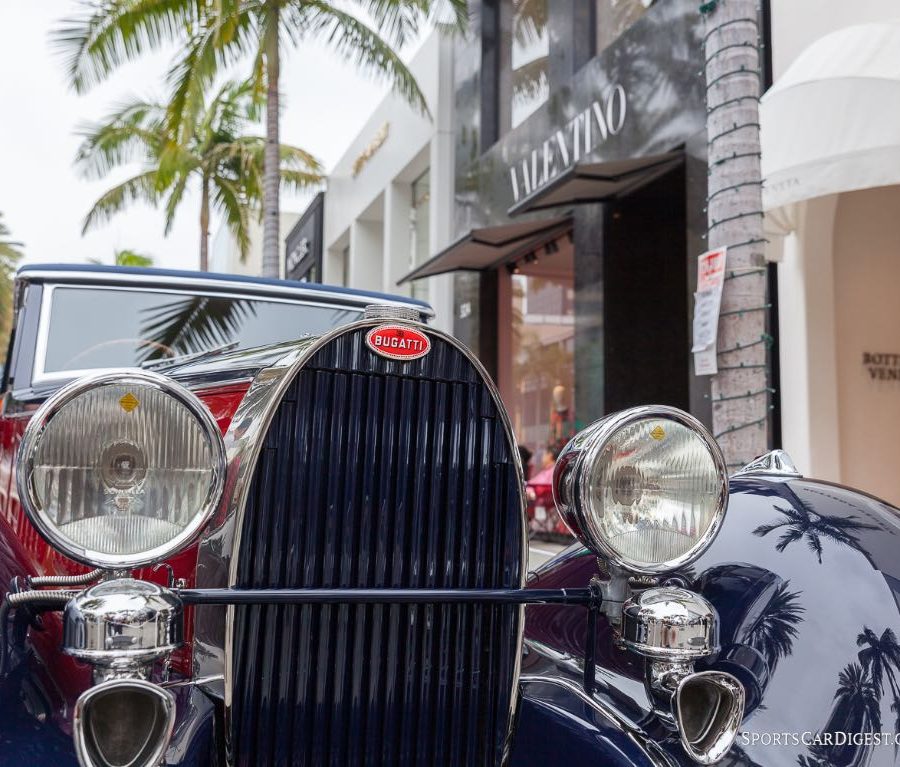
x: 800, y: 521
x: 210, y: 147
x: 740, y: 389
x: 214, y: 34
x: 10, y: 253
x: 127, y: 257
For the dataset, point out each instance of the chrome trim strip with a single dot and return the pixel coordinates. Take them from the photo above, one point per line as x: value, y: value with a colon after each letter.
x: 216, y: 561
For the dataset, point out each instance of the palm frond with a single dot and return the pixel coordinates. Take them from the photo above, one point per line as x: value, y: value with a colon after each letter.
x: 228, y: 200
x: 401, y: 20
x: 138, y: 188
x: 361, y: 45
x: 174, y: 161
x: 298, y: 181
x: 110, y: 32
x: 295, y: 158
x: 131, y: 130
x: 215, y: 47
x: 176, y: 195
x: 128, y: 257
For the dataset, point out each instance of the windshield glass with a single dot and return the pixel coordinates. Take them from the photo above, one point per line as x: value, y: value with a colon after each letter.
x: 106, y: 328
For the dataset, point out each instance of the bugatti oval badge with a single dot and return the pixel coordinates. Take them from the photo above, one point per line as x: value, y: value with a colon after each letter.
x: 398, y: 342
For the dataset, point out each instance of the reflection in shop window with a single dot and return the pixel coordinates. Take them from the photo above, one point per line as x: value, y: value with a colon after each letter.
x: 614, y: 17
x: 419, y: 231
x: 543, y: 351
x: 529, y: 54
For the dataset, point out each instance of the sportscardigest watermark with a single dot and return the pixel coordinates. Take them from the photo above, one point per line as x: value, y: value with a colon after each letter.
x: 821, y: 739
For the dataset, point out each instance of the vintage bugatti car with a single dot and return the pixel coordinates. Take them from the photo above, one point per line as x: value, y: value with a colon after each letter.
x: 254, y: 523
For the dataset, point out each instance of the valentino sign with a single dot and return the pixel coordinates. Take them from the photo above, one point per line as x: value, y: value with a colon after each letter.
x: 577, y: 138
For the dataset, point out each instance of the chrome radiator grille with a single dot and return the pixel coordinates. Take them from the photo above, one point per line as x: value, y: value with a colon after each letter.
x: 377, y: 473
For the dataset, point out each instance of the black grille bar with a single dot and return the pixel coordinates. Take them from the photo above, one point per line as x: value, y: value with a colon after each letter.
x: 385, y: 596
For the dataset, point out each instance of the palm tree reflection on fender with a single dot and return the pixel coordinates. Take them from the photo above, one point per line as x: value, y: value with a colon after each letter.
x: 857, y: 709
x: 775, y: 629
x: 880, y: 657
x: 801, y: 522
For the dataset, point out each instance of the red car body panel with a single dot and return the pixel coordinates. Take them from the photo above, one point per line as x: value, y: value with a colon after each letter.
x: 29, y: 554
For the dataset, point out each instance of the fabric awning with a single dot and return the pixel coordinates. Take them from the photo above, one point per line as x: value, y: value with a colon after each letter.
x: 490, y: 247
x: 597, y: 181
x: 831, y: 123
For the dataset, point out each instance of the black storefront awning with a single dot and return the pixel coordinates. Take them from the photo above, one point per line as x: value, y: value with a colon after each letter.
x: 490, y: 247
x: 597, y: 182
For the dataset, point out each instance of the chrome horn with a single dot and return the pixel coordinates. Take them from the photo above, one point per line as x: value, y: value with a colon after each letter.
x: 672, y: 628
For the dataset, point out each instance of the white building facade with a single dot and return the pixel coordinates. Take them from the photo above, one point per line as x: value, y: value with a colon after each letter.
x: 389, y: 200
x: 831, y: 162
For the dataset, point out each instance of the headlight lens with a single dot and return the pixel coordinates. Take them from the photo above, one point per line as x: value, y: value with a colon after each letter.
x: 120, y: 470
x: 646, y: 487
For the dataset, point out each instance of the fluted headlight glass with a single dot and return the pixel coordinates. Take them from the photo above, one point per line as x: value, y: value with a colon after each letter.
x: 122, y: 469
x: 651, y: 488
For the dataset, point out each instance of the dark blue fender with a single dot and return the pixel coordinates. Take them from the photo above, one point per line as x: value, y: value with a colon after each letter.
x: 806, y: 579
x: 30, y: 736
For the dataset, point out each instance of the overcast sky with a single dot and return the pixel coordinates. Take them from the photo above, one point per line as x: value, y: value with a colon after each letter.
x: 42, y: 197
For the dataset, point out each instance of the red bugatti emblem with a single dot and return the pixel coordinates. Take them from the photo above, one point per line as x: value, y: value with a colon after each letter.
x: 398, y: 342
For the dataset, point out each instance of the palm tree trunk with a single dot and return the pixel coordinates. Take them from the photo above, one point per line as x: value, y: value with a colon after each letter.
x: 271, y: 160
x: 204, y: 225
x: 740, y: 390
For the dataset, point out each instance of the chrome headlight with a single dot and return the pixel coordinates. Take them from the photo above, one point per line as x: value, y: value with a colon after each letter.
x: 646, y: 488
x: 121, y: 469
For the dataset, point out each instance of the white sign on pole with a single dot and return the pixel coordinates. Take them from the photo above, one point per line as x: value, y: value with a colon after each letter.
x: 707, y: 300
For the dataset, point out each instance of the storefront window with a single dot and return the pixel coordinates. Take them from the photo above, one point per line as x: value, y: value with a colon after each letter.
x: 419, y: 251
x: 614, y: 17
x: 529, y: 52
x: 542, y: 392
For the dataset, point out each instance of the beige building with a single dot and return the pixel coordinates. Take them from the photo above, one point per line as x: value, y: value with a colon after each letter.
x: 831, y: 162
